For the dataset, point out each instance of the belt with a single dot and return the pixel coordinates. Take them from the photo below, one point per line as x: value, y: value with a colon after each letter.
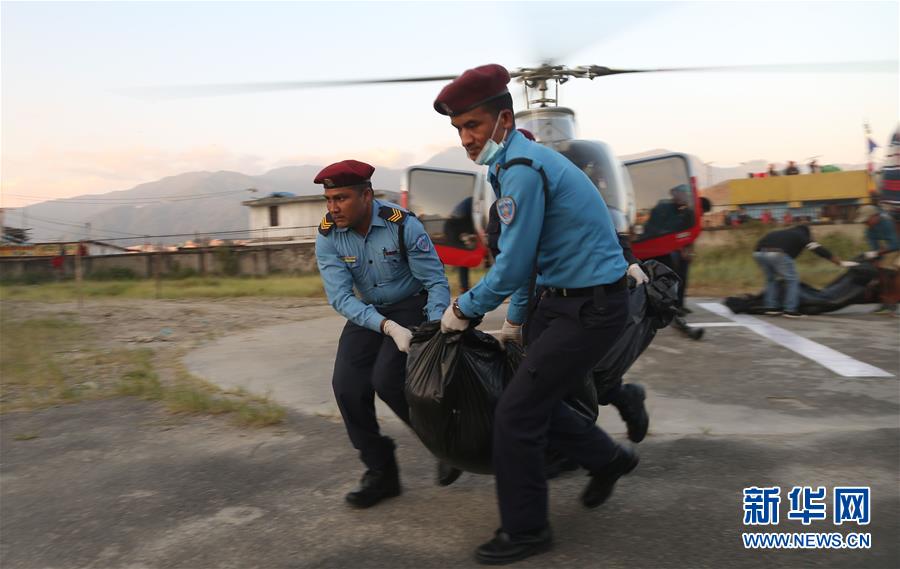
x: 770, y: 250
x: 616, y: 286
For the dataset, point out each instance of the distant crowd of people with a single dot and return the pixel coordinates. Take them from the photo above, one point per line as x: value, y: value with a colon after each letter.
x: 790, y: 170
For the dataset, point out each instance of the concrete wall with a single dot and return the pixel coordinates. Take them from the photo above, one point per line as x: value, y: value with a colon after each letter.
x: 260, y: 260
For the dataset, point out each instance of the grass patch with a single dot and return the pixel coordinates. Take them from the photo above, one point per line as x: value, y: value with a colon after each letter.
x: 33, y: 354
x: 141, y: 380
x: 47, y: 362
x: 302, y: 286
x: 192, y: 287
x: 191, y: 395
x: 195, y: 396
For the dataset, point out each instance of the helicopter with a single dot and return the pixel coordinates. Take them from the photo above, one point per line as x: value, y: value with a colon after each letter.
x: 453, y: 204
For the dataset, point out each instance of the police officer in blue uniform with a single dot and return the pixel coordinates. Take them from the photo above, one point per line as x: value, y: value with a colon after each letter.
x: 383, y: 252
x: 555, y: 225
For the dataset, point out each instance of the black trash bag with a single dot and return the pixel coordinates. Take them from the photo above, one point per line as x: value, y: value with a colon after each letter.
x: 852, y: 287
x: 453, y: 383
x: 650, y: 307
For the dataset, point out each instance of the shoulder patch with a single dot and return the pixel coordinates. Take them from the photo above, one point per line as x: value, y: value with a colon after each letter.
x: 506, y: 209
x: 326, y: 225
x: 423, y: 244
x: 393, y: 214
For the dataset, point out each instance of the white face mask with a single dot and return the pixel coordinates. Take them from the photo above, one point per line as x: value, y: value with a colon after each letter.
x: 490, y: 148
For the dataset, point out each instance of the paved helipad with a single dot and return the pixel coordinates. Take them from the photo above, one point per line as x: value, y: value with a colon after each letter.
x: 761, y: 402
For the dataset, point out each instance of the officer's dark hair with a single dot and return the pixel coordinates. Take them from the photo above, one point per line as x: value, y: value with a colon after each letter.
x: 361, y: 188
x: 501, y: 103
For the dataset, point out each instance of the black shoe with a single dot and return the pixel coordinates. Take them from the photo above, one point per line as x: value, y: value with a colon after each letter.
x: 601, y: 485
x: 632, y: 410
x: 446, y: 474
x: 375, y: 486
x: 793, y: 314
x: 505, y: 549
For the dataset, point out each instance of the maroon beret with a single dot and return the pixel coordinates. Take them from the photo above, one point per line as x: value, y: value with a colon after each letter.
x: 344, y: 173
x: 526, y: 133
x: 473, y: 88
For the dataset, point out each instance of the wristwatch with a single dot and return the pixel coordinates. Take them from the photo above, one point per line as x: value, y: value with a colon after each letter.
x: 459, y: 313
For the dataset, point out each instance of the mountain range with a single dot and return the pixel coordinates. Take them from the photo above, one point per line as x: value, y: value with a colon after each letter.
x: 175, y: 208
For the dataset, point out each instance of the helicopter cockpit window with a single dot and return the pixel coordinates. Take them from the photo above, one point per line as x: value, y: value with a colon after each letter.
x: 594, y: 160
x: 665, y: 200
x: 442, y: 200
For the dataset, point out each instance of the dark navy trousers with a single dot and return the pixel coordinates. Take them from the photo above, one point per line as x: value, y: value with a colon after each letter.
x: 566, y: 338
x: 367, y: 363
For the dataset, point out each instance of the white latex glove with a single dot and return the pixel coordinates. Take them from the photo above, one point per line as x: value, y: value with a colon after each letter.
x: 848, y: 264
x: 401, y: 336
x: 510, y: 332
x: 637, y: 273
x: 870, y: 254
x: 450, y: 322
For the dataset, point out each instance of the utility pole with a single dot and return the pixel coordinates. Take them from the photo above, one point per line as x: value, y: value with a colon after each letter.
x: 157, y: 269
x: 79, y: 274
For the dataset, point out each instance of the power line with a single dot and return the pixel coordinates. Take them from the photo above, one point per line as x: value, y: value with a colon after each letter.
x: 81, y: 226
x: 126, y: 201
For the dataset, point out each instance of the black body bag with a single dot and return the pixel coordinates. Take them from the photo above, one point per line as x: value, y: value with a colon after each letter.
x: 855, y: 286
x: 453, y: 381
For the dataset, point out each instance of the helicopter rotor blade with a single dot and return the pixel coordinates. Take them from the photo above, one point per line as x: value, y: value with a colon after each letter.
x: 879, y: 66
x: 185, y: 91
x: 547, y: 71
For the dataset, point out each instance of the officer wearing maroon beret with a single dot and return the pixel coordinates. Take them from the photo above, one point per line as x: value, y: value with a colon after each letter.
x: 553, y: 224
x: 382, y: 252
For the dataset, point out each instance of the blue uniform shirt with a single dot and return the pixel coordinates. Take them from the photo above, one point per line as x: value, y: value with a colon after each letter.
x: 574, y: 241
x: 374, y: 267
x: 883, y: 231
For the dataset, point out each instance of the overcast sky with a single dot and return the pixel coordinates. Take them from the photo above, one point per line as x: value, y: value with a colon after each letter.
x: 67, y: 129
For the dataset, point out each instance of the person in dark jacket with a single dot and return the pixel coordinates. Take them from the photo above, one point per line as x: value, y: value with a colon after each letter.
x: 884, y: 253
x: 775, y: 254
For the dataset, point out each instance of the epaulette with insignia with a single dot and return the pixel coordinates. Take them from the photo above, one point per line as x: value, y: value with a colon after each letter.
x: 393, y: 214
x: 327, y: 224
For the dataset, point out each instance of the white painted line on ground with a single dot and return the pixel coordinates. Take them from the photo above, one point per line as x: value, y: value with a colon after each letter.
x: 714, y: 324
x: 837, y: 362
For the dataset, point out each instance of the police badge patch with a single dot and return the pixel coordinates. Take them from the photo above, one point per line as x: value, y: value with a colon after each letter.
x: 423, y: 244
x: 506, y: 209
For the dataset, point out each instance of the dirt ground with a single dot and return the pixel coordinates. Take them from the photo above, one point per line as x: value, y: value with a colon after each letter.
x: 122, y: 482
x: 169, y: 324
x: 94, y: 362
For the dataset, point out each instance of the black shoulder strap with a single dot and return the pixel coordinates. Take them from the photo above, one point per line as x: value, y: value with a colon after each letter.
x: 398, y: 216
x: 530, y: 164
x: 327, y: 224
x: 532, y: 282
